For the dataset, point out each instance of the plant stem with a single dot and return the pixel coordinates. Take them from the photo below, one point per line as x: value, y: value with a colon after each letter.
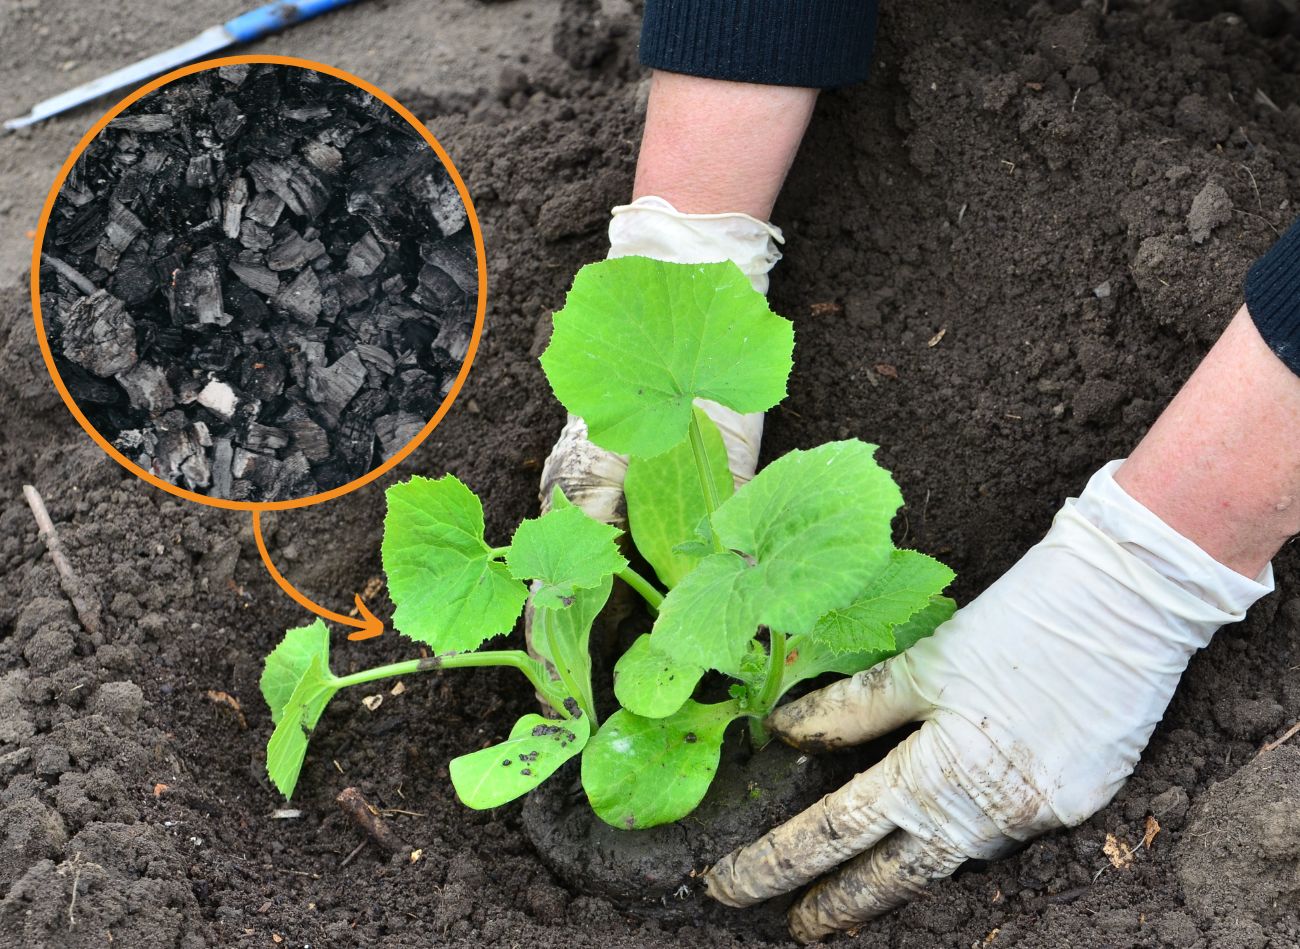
x: 652, y: 597
x: 509, y: 658
x: 497, y: 553
x: 711, y: 497
x: 771, y: 690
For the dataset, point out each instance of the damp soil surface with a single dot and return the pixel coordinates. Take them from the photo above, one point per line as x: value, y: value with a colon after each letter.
x: 1005, y: 253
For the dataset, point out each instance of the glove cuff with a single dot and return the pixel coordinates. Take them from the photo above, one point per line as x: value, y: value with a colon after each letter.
x: 651, y: 227
x: 1140, y: 532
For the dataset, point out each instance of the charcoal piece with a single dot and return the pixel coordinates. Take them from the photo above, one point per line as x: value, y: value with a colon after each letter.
x: 437, y: 194
x: 85, y: 387
x: 377, y: 357
x: 325, y: 157
x: 354, y: 444
x: 198, y: 291
x: 134, y: 281
x: 246, y: 303
x: 219, y: 398
x: 300, y: 186
x: 265, y: 438
x: 307, y: 437
x: 453, y: 341
x: 235, y: 73
x: 305, y: 113
x: 147, y: 388
x: 420, y: 393
x: 68, y: 273
x: 222, y: 458
x: 227, y: 120
x: 254, y: 236
x: 122, y: 227
x: 302, y: 298
x: 458, y: 265
x: 293, y: 480
x: 198, y: 173
x: 232, y: 210
x: 158, y: 122
x: 384, y: 220
x: 365, y: 256
x: 263, y: 375
x: 437, y: 289
x: 260, y: 469
x: 293, y: 252
x: 252, y: 273
x: 99, y: 334
x: 265, y: 209
x: 332, y: 387
x: 395, y: 431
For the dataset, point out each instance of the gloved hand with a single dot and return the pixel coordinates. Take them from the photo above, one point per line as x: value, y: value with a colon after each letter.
x: 1037, y: 700
x: 591, y: 477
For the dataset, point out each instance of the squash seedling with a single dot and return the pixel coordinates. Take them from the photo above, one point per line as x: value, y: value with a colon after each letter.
x: 790, y: 576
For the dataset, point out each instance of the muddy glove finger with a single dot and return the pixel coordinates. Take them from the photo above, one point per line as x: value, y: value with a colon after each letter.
x: 837, y: 828
x: 589, y: 476
x: 885, y: 877
x: 853, y: 710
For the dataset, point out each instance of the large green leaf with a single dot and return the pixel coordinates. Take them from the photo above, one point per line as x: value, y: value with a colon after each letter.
x: 665, y: 502
x: 808, y: 658
x: 804, y: 537
x: 641, y: 772
x: 566, y: 550
x: 639, y: 340
x: 649, y: 683
x: 536, y: 748
x: 285, y: 666
x: 902, y: 589
x: 448, y: 590
x: 298, y: 716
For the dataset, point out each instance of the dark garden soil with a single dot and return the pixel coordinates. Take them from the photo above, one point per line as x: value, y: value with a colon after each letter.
x: 1005, y: 253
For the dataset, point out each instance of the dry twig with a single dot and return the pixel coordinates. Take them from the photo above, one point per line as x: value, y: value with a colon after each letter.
x: 87, y: 606
x: 368, y: 818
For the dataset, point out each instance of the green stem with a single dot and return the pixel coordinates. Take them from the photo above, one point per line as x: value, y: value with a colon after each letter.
x: 711, y: 497
x: 771, y: 690
x: 509, y: 658
x: 653, y: 598
x: 498, y: 553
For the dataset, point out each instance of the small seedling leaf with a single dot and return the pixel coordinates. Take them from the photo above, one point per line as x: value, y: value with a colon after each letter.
x: 893, y: 596
x: 285, y: 666
x: 562, y: 638
x: 566, y: 550
x: 811, y: 658
x: 288, y: 745
x: 536, y: 748
x: 448, y: 590
x: 665, y: 502
x: 651, y: 684
x: 642, y: 772
x: 638, y: 340
x: 805, y: 536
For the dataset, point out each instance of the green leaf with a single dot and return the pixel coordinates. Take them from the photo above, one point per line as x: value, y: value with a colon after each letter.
x: 805, y: 536
x: 639, y: 340
x: 288, y: 662
x: 665, y: 503
x: 808, y: 658
x: 562, y: 638
x: 567, y: 551
x: 893, y: 596
x: 298, y: 716
x: 536, y: 748
x: 641, y: 772
x: 448, y: 590
x: 651, y: 684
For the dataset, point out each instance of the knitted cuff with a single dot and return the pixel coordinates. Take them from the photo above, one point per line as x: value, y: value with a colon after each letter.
x: 1273, y: 297
x: 818, y: 44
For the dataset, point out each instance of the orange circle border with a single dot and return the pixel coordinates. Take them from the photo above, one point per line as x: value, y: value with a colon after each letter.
x: 447, y: 401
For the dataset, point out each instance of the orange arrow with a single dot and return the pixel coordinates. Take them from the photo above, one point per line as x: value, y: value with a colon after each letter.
x: 367, y: 626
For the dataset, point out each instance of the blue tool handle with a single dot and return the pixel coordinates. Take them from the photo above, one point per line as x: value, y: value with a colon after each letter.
x: 277, y: 16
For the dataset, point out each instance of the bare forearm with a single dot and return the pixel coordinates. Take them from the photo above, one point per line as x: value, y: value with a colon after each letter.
x: 712, y: 146
x: 1222, y: 463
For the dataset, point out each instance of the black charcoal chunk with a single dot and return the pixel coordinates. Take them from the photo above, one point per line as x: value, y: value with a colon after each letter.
x: 332, y: 387
x: 395, y: 431
x: 199, y: 174
x: 459, y: 265
x: 99, y: 334
x: 301, y: 299
x: 365, y: 256
x: 325, y: 157
x: 222, y: 457
x: 147, y: 388
x: 265, y: 209
x: 437, y: 194
x: 254, y: 236
x: 227, y: 120
x: 198, y: 290
x: 294, y: 251
x: 307, y: 437
x: 296, y: 183
x: 159, y: 122
x: 236, y: 200
x: 265, y: 438
x: 252, y: 273
x: 235, y: 73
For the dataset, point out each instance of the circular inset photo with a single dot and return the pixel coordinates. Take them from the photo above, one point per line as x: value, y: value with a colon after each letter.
x: 259, y: 283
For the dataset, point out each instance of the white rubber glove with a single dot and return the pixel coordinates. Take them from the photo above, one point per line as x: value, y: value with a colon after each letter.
x: 1037, y: 700
x: 591, y: 477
